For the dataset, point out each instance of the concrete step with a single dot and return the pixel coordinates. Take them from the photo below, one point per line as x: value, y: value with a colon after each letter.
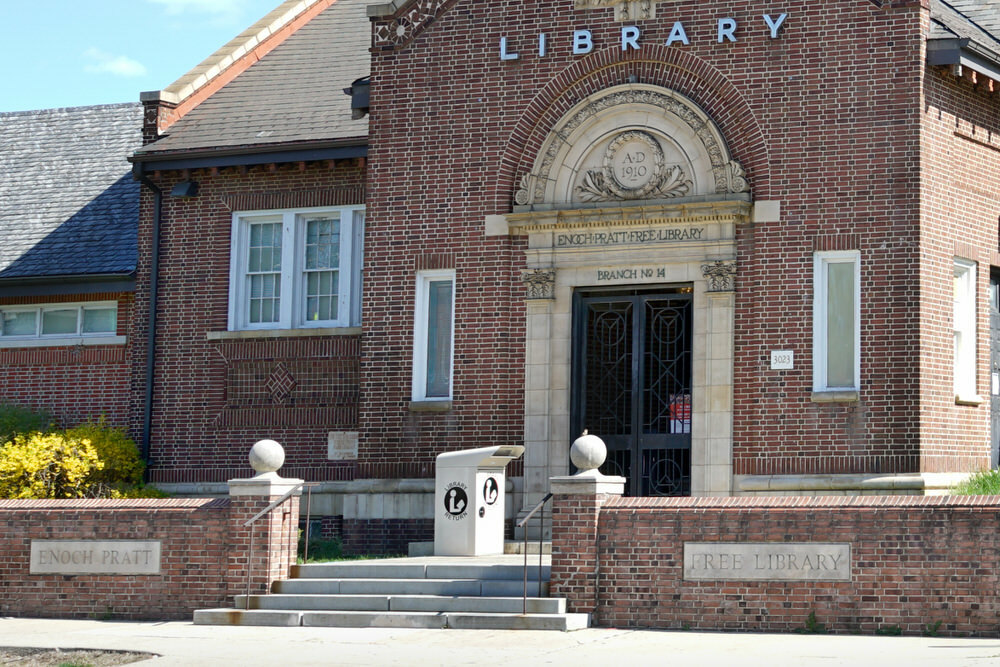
x: 423, y: 603
x: 389, y: 570
x: 370, y: 619
x: 358, y: 586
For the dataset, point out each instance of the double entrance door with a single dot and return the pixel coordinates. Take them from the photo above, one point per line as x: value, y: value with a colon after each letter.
x: 631, y: 384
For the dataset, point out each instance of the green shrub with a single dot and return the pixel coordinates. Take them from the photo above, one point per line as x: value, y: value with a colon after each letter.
x: 985, y: 483
x: 47, y: 465
x: 16, y: 420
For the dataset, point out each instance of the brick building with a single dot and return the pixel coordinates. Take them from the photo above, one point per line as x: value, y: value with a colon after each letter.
x: 68, y: 214
x: 751, y: 245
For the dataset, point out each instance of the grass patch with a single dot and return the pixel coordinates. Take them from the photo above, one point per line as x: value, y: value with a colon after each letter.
x: 985, y: 483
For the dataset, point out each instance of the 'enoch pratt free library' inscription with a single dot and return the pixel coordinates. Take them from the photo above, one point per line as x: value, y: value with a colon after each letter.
x: 767, y: 561
x: 95, y: 557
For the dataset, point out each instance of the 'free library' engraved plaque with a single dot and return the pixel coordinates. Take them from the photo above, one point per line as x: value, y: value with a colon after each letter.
x: 767, y: 561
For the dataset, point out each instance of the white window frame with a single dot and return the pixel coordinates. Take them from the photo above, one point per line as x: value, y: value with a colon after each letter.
x: 822, y: 260
x: 39, y: 339
x: 964, y: 334
x: 292, y: 277
x: 420, y: 330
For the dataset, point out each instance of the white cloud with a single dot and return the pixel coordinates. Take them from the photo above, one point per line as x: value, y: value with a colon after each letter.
x: 106, y: 63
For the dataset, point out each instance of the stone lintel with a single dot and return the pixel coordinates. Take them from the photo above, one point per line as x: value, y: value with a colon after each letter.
x: 726, y: 211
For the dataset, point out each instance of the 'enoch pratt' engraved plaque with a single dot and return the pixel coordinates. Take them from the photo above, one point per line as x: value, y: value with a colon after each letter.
x: 767, y: 561
x: 95, y: 557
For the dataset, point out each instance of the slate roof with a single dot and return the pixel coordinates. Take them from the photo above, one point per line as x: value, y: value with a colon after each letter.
x: 68, y: 203
x: 293, y: 94
x: 978, y: 20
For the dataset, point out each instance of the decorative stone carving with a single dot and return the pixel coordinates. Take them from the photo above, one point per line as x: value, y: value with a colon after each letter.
x: 625, y: 10
x: 523, y: 196
x: 721, y: 276
x: 540, y: 283
x: 402, y: 28
x: 634, y: 169
x: 736, y: 177
x: 727, y: 173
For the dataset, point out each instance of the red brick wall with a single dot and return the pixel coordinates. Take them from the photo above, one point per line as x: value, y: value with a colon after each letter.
x: 75, y: 384
x: 960, y: 155
x: 384, y: 536
x: 210, y: 397
x: 914, y: 561
x: 825, y: 119
x: 204, y: 555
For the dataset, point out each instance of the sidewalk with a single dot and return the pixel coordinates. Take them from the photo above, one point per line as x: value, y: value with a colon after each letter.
x: 182, y: 643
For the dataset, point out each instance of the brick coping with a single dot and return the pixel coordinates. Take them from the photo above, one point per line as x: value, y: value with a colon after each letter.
x: 115, y: 504
x: 804, y: 502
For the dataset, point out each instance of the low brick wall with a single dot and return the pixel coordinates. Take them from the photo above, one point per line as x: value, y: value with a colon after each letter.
x: 917, y: 564
x: 204, y: 552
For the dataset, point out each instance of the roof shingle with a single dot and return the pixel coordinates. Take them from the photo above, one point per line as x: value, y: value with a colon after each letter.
x: 293, y: 94
x: 68, y: 203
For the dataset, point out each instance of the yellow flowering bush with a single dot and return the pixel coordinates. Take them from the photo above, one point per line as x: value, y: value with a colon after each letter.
x: 123, y: 465
x: 87, y: 461
x: 48, y: 465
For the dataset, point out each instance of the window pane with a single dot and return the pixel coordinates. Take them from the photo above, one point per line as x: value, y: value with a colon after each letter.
x: 18, y: 323
x: 265, y: 293
x: 322, y: 243
x: 59, y: 322
x: 840, y: 324
x: 100, y: 320
x: 439, y: 338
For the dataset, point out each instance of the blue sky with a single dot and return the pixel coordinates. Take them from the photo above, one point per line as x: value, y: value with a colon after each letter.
x: 67, y: 53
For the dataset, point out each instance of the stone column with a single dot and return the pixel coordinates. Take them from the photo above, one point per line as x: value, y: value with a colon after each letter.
x: 576, y: 510
x: 540, y: 285
x: 263, y: 552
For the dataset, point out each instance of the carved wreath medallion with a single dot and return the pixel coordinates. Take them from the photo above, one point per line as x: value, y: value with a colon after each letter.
x: 633, y: 168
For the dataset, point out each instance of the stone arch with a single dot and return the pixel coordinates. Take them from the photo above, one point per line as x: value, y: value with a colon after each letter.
x: 631, y: 142
x: 669, y: 68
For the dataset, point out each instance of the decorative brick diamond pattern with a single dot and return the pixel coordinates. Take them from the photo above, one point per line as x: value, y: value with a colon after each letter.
x: 280, y: 383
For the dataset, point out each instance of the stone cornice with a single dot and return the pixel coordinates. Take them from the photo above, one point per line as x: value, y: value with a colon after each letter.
x: 737, y: 211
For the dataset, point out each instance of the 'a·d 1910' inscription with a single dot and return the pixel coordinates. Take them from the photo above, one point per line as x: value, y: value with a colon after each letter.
x: 767, y: 561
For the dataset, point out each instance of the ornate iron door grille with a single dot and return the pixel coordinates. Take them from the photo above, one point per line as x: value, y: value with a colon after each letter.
x: 632, y: 385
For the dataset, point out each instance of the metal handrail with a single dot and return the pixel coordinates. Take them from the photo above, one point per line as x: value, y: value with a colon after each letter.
x: 298, y: 487
x: 541, y: 537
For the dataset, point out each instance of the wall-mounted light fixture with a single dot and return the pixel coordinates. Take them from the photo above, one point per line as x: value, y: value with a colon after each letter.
x: 185, y: 189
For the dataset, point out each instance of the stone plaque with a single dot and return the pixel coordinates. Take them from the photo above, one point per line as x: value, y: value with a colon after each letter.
x: 342, y: 445
x: 95, y: 557
x: 767, y: 561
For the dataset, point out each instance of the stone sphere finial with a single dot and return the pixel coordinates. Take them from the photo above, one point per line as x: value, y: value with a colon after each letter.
x: 266, y: 456
x: 588, y: 452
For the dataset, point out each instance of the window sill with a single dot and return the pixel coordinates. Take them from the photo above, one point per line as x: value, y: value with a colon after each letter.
x: 430, y: 406
x: 283, y: 333
x: 834, y: 397
x: 969, y: 400
x: 64, y: 342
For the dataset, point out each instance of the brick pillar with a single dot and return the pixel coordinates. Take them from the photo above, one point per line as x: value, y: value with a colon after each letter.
x: 274, y: 537
x: 576, y: 511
